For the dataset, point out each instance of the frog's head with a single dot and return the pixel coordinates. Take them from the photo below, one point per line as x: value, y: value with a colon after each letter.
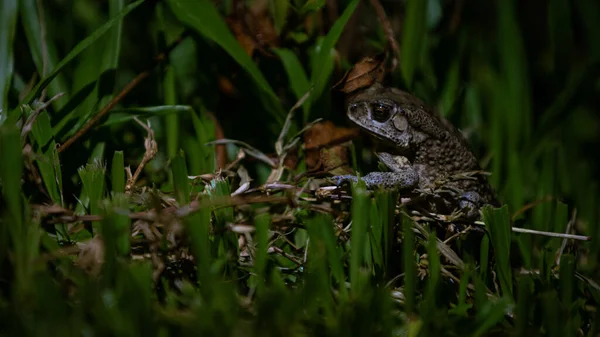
x: 382, y: 112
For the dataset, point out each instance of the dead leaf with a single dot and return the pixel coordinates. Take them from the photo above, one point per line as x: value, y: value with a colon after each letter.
x: 327, y: 149
x: 364, y: 74
x: 245, y: 40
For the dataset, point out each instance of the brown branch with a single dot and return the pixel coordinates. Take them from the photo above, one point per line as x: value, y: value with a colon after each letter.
x: 389, y: 32
x: 151, y: 150
x: 132, y: 84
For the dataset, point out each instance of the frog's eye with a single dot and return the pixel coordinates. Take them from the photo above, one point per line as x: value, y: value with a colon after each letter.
x: 381, y: 112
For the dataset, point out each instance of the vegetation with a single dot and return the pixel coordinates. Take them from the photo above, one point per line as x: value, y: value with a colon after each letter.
x: 162, y: 165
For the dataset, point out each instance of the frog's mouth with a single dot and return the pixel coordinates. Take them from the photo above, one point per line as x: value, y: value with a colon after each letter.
x: 384, y: 144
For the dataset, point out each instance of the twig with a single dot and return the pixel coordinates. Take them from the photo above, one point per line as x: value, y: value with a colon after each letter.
x: 63, y: 215
x: 389, y: 32
x: 118, y: 98
x: 551, y: 234
x: 151, y: 150
x: 564, y: 241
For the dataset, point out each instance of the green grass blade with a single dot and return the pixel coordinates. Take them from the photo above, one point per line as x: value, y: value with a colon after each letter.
x: 47, y: 159
x: 171, y: 120
x: 8, y: 22
x: 318, y: 282
x: 180, y: 180
x: 491, y: 314
x: 117, y: 172
x: 413, y: 39
x: 428, y: 305
x: 498, y: 224
x: 296, y: 76
x: 323, y: 63
x: 262, y: 223
x: 32, y: 24
x: 410, y: 268
x: 279, y: 10
x: 226, y: 241
x: 205, y: 132
x: 116, y: 229
x: 92, y: 179
x: 198, y: 227
x: 203, y: 17
x: 81, y: 46
x: 360, y: 224
x: 11, y: 167
x: 108, y: 58
x: 334, y: 253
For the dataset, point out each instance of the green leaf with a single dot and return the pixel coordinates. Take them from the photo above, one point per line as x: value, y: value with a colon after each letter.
x: 172, y: 120
x: 279, y: 10
x: 491, y: 314
x: 47, y: 158
x: 312, y: 6
x: 360, y: 224
x: 116, y: 229
x: 11, y: 167
x: 39, y: 39
x: 81, y: 46
x: 112, y: 51
x: 180, y: 180
x: 334, y: 254
x: 117, y: 172
x: 410, y: 267
x: 324, y: 60
x: 8, y: 22
x: 92, y: 178
x: 203, y: 17
x: 262, y: 223
x: 296, y: 76
x: 226, y: 241
x: 498, y: 224
x: 413, y: 38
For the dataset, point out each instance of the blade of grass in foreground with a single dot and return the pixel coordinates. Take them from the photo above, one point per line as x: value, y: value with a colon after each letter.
x: 11, y: 167
x: 497, y: 222
x: 92, y: 178
x: 47, y: 159
x: 410, y: 268
x: 360, y: 224
x: 118, y: 172
x: 203, y: 17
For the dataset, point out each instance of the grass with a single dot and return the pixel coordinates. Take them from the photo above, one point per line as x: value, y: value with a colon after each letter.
x: 191, y: 204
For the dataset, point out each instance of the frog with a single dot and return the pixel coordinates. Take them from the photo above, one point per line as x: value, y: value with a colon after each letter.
x: 419, y: 147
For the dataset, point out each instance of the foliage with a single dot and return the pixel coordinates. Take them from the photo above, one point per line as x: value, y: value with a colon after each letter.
x: 206, y: 218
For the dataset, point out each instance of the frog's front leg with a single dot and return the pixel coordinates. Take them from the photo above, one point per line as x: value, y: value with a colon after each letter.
x: 470, y: 202
x: 389, y: 180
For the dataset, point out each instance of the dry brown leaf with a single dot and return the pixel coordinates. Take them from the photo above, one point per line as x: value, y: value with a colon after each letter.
x: 325, y: 148
x: 247, y: 42
x: 364, y: 74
